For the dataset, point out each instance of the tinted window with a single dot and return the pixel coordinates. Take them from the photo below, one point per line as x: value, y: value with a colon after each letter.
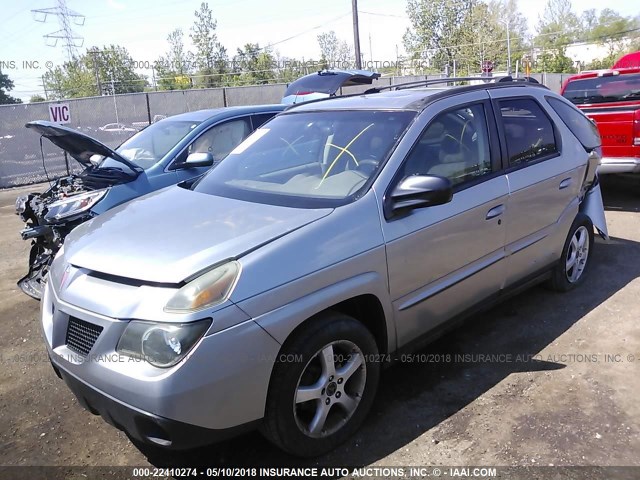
x: 220, y: 139
x: 327, y: 82
x: 308, y: 159
x: 583, y: 128
x: 454, y: 145
x: 612, y: 88
x: 258, y: 120
x: 528, y: 131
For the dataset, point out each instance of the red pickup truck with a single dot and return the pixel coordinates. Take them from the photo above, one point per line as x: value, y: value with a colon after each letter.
x: 612, y: 99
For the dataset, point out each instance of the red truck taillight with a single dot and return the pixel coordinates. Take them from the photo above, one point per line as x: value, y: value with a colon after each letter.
x: 636, y: 128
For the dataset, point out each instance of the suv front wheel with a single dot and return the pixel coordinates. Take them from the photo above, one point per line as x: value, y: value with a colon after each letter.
x: 322, y: 385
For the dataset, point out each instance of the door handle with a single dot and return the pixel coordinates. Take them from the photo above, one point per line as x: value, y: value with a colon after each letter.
x: 495, y: 212
x: 565, y: 183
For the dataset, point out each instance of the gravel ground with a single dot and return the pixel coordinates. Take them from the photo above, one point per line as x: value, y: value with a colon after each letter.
x: 568, y: 395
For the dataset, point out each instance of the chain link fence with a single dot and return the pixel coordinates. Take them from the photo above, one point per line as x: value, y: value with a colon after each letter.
x: 112, y: 119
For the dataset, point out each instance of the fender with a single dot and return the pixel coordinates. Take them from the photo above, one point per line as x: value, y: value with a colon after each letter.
x: 305, y: 307
x: 593, y: 207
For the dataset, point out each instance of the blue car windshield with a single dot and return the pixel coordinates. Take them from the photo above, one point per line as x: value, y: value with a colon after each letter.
x: 150, y: 145
x: 308, y: 159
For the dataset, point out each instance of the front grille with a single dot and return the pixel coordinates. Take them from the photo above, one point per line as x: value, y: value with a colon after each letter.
x: 82, y: 335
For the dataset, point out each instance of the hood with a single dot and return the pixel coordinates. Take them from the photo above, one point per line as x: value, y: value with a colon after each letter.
x: 171, y: 234
x: 78, y: 145
x: 325, y: 83
x: 630, y: 60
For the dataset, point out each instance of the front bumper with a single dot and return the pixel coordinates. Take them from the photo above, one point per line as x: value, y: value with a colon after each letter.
x: 218, y: 390
x: 144, y: 426
x: 619, y: 165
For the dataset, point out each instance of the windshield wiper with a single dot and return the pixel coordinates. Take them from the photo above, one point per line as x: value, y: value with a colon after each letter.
x: 632, y: 94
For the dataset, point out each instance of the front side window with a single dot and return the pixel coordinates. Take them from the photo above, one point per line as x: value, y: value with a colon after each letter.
x: 454, y: 145
x: 220, y: 139
x: 528, y: 131
x: 308, y: 159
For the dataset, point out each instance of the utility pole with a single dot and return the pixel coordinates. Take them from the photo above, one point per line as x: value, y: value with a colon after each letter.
x: 94, y: 52
x: 44, y: 86
x: 115, y: 104
x: 356, y: 34
x: 508, y: 49
x: 506, y: 23
x: 153, y: 76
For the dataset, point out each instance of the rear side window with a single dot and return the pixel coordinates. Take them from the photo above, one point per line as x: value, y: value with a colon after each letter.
x: 583, y: 128
x: 611, y: 88
x: 529, y: 133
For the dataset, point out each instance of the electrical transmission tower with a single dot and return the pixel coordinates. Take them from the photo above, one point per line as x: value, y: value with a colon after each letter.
x: 65, y: 18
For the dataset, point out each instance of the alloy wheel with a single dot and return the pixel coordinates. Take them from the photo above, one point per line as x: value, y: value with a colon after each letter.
x: 330, y: 389
x: 577, y: 254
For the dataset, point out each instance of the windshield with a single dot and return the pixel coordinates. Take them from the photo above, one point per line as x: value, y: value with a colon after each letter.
x: 603, y: 89
x: 150, y: 145
x: 308, y: 159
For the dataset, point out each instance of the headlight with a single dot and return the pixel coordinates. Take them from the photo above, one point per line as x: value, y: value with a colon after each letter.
x: 161, y: 344
x: 74, y: 205
x: 21, y: 204
x: 209, y: 289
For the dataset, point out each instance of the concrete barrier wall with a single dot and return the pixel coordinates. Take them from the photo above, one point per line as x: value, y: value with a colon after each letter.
x: 255, y: 94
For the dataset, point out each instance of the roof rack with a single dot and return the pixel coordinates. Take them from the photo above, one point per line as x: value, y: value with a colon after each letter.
x: 434, y: 81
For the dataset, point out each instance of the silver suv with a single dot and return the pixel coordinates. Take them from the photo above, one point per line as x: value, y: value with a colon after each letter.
x: 271, y: 291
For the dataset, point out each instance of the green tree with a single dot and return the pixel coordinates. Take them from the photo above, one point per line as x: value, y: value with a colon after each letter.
x: 253, y: 65
x: 37, y: 98
x: 105, y: 71
x: 174, y: 68
x: 612, y: 30
x: 466, y: 31
x: 6, y: 85
x: 335, y: 52
x: 554, y: 61
x: 211, y: 57
x: 437, y: 29
x: 618, y: 33
x: 558, y: 25
x: 588, y: 21
x: 492, y: 27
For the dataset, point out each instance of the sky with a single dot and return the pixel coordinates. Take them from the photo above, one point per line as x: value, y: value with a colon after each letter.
x: 142, y: 26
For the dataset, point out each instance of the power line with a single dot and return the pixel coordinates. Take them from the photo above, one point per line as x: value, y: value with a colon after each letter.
x: 322, y: 25
x: 385, y: 15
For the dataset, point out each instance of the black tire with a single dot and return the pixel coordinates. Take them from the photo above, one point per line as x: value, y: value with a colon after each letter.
x: 561, y: 279
x: 285, y: 420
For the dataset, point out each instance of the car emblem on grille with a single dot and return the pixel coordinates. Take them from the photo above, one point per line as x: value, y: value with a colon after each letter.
x: 64, y: 276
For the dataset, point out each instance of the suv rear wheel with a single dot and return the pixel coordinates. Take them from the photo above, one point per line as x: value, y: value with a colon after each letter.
x: 322, y: 386
x: 576, y: 255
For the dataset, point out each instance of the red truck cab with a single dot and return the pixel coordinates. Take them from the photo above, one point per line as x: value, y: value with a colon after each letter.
x: 612, y: 99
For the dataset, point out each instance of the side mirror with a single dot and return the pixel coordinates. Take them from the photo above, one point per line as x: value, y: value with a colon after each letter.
x: 418, y: 191
x: 198, y: 159
x: 95, y: 159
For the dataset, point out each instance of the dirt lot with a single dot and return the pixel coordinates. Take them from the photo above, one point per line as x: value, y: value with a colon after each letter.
x: 569, y: 405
